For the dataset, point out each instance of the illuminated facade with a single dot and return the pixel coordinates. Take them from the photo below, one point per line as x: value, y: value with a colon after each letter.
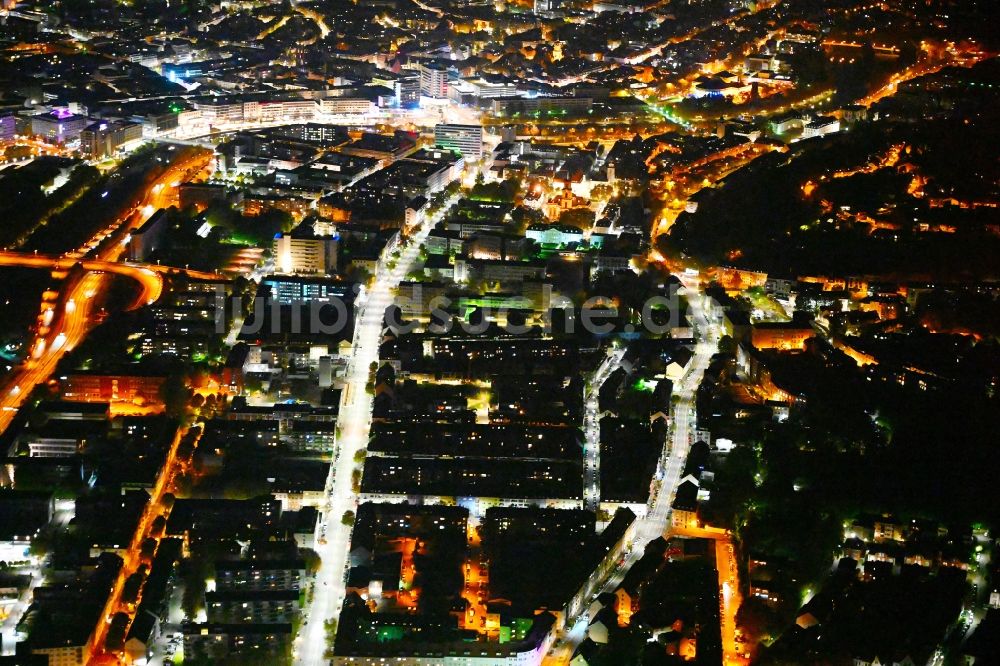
x: 60, y: 126
x: 305, y: 254
x: 464, y: 139
x: 106, y: 138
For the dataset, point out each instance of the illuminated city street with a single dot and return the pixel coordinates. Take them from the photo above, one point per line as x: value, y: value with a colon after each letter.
x: 499, y: 334
x: 329, y: 585
x: 592, y: 430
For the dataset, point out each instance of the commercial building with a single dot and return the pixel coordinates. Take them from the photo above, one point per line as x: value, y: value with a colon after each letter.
x: 96, y: 387
x: 419, y: 174
x: 325, y: 135
x: 216, y: 112
x: 473, y: 90
x: 464, y: 139
x: 279, y: 110
x: 8, y: 127
x: 288, y: 290
x: 104, y: 138
x: 305, y: 252
x: 60, y: 126
x: 159, y: 124
x: 433, y: 81
x: 343, y: 106
x: 332, y: 171
x: 508, y: 106
x: 147, y: 239
x: 381, y: 146
x: 407, y: 89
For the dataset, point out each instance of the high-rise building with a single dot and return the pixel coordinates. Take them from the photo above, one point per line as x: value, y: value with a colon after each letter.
x: 465, y: 139
x: 146, y: 239
x: 104, y: 138
x: 8, y: 127
x: 60, y: 126
x: 433, y: 81
x: 408, y: 90
x: 304, y: 251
